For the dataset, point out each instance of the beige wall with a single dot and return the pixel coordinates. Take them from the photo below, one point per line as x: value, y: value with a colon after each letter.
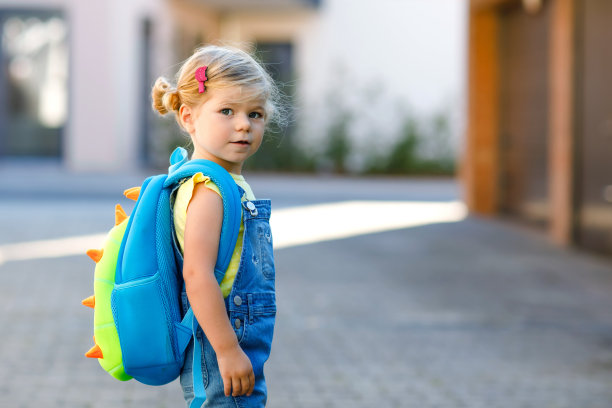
x: 104, y: 126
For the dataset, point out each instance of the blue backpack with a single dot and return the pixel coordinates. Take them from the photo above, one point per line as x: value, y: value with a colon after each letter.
x: 138, y: 328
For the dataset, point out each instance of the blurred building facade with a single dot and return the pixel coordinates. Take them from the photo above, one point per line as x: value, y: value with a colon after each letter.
x: 70, y: 75
x: 76, y: 75
x: 539, y: 131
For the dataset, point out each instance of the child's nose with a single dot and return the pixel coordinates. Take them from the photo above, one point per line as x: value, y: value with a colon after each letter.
x: 243, y: 123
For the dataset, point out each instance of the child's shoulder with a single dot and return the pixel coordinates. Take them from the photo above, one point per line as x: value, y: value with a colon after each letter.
x: 187, y: 189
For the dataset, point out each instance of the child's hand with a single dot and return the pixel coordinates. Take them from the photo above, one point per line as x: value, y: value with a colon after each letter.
x: 236, y: 371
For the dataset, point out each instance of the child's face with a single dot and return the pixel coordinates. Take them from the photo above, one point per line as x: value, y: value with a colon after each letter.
x: 226, y: 129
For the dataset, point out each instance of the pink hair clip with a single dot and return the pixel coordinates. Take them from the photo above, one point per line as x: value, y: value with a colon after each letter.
x: 200, y: 76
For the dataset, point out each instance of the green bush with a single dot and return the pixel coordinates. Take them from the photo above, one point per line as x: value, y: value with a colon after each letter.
x: 338, y: 145
x: 419, y: 149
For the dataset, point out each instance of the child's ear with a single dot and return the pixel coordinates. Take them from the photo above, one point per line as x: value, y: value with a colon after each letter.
x: 186, y: 115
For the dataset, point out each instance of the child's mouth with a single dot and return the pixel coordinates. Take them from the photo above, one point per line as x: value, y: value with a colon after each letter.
x: 242, y: 142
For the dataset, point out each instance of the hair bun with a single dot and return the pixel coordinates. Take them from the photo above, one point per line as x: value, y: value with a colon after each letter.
x: 165, y: 97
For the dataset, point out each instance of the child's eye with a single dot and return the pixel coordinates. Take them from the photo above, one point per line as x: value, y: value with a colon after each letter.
x: 255, y: 115
x: 226, y: 111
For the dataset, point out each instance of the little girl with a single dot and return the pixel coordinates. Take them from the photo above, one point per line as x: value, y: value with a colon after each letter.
x: 224, y: 99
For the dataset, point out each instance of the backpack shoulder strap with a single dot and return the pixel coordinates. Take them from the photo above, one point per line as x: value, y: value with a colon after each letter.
x: 231, y: 204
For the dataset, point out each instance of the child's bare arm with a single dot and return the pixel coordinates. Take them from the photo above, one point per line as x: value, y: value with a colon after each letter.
x: 202, y: 230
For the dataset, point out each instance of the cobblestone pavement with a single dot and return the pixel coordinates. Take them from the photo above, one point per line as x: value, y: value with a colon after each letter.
x: 473, y: 314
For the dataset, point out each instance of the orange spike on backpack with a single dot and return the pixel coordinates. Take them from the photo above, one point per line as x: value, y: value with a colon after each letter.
x: 90, y: 302
x: 94, y: 352
x: 120, y: 215
x: 95, y: 254
x: 132, y: 193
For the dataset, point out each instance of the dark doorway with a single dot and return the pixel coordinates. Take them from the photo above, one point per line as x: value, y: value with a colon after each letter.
x: 524, y: 44
x: 594, y: 130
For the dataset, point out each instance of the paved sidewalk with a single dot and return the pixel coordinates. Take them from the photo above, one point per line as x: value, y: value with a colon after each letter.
x: 473, y: 314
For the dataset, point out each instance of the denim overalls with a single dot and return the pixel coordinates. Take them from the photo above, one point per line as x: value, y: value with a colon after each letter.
x: 251, y: 307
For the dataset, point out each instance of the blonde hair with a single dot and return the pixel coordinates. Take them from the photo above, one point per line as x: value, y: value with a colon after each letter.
x: 227, y: 67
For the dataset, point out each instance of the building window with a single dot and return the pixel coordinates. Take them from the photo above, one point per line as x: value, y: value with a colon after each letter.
x: 33, y: 82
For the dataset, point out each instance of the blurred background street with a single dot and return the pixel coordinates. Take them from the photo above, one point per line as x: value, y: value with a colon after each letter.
x: 442, y: 193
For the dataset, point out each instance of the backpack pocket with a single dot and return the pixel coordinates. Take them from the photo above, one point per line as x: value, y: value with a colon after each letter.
x: 146, y: 325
